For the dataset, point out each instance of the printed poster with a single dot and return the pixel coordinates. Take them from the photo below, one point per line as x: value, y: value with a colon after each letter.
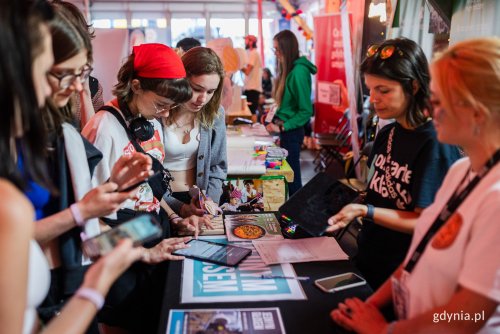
x: 241, y: 321
x: 204, y: 282
x: 252, y: 226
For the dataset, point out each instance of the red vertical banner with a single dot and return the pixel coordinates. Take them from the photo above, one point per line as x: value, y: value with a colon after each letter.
x: 331, y: 91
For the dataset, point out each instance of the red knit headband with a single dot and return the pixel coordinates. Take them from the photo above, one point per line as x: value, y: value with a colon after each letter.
x: 157, y: 61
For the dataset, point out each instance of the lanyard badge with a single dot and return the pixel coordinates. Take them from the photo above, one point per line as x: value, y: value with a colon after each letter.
x: 400, y: 295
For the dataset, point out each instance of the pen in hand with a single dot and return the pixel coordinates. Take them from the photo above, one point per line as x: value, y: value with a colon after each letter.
x: 298, y: 278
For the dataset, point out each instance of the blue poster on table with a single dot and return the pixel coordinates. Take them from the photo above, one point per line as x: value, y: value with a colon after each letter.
x: 204, y: 282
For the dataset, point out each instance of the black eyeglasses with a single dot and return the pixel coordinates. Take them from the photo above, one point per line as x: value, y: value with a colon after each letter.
x: 66, y: 80
x: 385, y: 52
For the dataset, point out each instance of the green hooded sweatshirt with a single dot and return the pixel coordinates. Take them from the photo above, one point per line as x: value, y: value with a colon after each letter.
x: 296, y: 107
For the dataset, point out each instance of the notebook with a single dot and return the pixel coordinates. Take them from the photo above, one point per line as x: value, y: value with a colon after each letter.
x: 312, y: 205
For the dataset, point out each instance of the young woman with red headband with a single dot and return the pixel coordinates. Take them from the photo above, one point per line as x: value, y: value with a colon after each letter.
x: 150, y: 83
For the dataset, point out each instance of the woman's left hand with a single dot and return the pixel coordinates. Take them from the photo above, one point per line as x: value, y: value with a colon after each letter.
x: 130, y: 169
x: 358, y: 316
x: 163, y: 251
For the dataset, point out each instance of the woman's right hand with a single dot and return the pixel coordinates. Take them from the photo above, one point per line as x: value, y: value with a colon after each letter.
x: 103, y: 200
x: 193, y: 208
x: 102, y: 274
x: 345, y: 216
x: 163, y: 251
x: 130, y: 169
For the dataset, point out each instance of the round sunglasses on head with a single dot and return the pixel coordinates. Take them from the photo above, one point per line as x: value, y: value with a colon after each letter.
x: 384, y: 53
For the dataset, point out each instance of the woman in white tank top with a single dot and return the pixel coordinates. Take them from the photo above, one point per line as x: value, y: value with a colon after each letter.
x: 195, y: 133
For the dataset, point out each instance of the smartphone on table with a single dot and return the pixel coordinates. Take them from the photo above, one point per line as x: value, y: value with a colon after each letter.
x: 226, y: 255
x: 140, y: 229
x: 339, y: 282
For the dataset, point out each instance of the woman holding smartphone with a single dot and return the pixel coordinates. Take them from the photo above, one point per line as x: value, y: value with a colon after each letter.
x: 24, y: 276
x: 195, y: 132
x: 150, y: 83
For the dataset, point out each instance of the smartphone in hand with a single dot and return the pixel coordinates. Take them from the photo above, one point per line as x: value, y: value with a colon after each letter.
x: 140, y: 229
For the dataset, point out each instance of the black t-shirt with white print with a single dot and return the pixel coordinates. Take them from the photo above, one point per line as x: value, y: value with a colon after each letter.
x: 418, y: 164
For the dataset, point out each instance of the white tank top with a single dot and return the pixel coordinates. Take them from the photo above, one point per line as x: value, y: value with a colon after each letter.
x: 38, y: 285
x: 179, y: 156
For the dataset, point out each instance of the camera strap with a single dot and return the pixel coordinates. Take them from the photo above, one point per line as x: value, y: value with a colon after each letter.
x: 449, y: 209
x: 159, y: 188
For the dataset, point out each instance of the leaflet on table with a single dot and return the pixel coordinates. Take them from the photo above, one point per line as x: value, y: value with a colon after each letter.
x: 300, y: 250
x: 257, y: 130
x: 250, y: 226
x: 243, y: 162
x: 243, y: 321
x: 204, y: 282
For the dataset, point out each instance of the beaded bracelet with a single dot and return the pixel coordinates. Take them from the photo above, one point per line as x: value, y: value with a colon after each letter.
x: 92, y: 295
x: 77, y: 214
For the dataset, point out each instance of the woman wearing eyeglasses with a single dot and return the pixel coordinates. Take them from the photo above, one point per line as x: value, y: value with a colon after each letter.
x: 151, y: 83
x: 63, y: 214
x: 449, y: 281
x: 195, y: 132
x: 292, y: 93
x: 407, y: 163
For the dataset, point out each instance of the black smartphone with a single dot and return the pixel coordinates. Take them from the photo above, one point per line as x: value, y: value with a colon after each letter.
x: 140, y: 229
x: 135, y: 185
x: 226, y: 255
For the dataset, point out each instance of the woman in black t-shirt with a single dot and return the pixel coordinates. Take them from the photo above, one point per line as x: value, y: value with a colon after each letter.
x: 407, y: 163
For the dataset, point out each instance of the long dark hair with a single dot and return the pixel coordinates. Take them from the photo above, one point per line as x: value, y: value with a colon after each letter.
x: 199, y: 61
x: 177, y: 90
x: 288, y: 47
x: 406, y: 65
x: 69, y: 37
x: 20, y: 43
x: 69, y: 31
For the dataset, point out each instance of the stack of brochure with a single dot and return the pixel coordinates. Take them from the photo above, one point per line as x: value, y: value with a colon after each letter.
x: 276, y: 154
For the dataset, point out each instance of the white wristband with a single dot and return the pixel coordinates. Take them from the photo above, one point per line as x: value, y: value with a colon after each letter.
x: 77, y: 215
x: 91, y: 295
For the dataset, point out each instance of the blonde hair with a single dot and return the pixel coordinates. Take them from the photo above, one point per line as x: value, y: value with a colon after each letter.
x: 471, y: 70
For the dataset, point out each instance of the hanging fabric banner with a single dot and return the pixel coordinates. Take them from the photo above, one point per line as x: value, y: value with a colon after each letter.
x: 331, y: 91
x: 478, y: 18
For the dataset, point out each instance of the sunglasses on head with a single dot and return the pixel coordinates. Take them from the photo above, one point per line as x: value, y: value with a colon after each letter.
x: 385, y: 52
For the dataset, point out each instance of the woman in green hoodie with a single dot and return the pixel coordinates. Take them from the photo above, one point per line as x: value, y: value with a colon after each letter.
x: 293, y: 95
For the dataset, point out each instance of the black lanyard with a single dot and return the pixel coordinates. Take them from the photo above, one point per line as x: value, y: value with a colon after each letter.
x: 451, y: 206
